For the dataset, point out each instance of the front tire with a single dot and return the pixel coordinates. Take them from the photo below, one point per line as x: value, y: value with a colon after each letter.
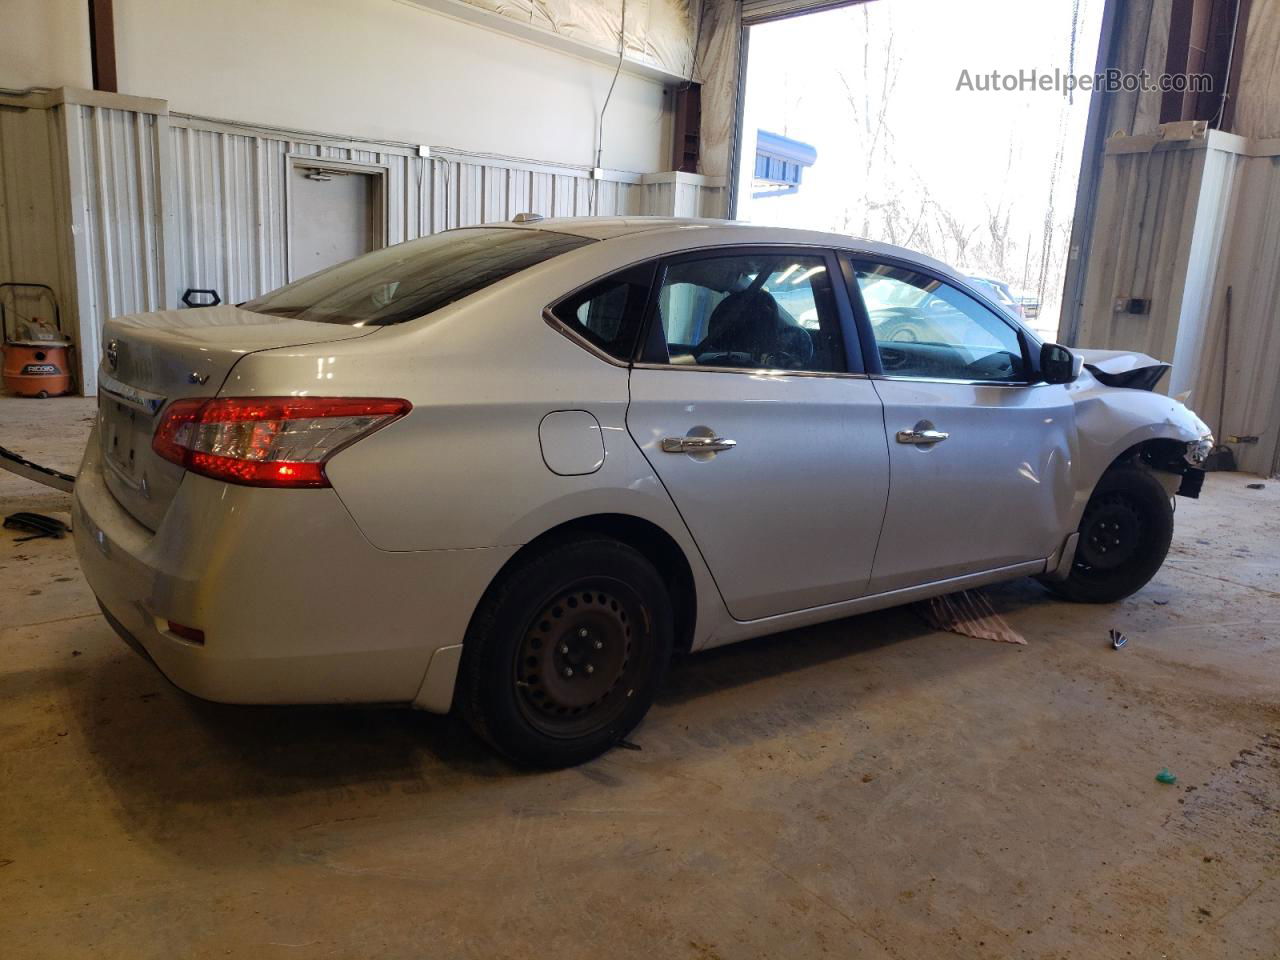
x: 1124, y: 537
x: 566, y: 652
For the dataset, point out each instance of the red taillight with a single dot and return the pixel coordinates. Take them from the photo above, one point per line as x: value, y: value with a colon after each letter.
x: 268, y: 441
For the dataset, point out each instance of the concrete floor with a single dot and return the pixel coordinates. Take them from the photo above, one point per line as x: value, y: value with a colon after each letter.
x: 868, y: 788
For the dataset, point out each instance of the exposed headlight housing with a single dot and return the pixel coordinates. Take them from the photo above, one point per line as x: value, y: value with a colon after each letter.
x: 1198, y: 450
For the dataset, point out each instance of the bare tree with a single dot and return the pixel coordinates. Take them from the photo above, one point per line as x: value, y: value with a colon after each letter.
x: 869, y: 105
x: 957, y: 235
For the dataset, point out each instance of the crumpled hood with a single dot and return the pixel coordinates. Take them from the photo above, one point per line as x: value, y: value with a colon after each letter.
x: 1123, y: 368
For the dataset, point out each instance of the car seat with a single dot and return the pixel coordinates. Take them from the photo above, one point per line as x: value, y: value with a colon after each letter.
x: 749, y: 322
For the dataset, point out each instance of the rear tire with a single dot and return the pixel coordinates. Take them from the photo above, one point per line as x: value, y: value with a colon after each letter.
x: 566, y: 652
x: 1124, y: 537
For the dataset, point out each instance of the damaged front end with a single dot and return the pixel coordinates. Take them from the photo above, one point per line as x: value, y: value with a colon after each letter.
x: 1116, y: 403
x: 1123, y: 368
x: 1183, y: 459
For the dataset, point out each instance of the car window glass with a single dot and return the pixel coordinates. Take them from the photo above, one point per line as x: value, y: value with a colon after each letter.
x: 608, y: 313
x: 756, y: 311
x: 926, y: 328
x: 413, y: 279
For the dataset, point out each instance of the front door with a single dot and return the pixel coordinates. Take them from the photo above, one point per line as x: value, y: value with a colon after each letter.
x: 980, y: 458
x: 745, y: 407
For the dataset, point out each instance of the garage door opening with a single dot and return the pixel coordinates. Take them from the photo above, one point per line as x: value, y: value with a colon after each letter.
x: 962, y: 140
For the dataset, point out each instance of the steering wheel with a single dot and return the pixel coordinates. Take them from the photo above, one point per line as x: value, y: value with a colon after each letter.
x: 892, y: 358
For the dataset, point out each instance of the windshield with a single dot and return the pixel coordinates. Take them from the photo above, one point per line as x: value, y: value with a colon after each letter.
x: 413, y: 279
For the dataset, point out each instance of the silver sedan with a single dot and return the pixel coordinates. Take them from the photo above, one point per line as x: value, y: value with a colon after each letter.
x: 512, y: 469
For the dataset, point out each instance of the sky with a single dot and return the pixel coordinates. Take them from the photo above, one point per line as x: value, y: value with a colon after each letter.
x: 976, y: 178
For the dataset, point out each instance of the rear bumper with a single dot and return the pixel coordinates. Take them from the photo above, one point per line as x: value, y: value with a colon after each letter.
x: 295, y: 604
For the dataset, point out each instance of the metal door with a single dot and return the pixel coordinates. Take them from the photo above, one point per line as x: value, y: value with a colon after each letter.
x: 334, y: 215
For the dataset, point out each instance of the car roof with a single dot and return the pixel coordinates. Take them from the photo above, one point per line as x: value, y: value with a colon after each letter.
x: 727, y: 232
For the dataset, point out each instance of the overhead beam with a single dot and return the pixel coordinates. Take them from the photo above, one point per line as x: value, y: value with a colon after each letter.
x: 102, y: 45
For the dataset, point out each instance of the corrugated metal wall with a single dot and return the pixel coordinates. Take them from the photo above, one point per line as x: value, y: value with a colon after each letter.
x: 118, y: 152
x: 122, y: 210
x: 1146, y: 210
x: 1158, y: 234
x: 1177, y: 223
x: 1249, y: 268
x: 232, y: 211
x: 230, y: 196
x: 34, y: 245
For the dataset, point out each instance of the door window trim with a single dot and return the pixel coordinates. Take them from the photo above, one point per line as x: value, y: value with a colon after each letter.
x: 871, y: 355
x: 843, y: 311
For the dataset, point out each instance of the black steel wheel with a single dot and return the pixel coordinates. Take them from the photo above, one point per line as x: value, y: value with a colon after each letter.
x: 566, y: 652
x: 573, y: 670
x: 1124, y: 537
x: 1110, y: 533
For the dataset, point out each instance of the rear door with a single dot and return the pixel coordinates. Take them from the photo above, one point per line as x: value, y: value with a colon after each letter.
x: 980, y: 457
x: 763, y: 428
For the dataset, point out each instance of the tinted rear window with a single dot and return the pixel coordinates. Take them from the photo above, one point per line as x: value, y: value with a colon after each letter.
x: 413, y: 279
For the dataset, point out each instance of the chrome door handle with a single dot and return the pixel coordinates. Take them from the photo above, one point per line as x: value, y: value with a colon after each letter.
x: 921, y: 437
x: 697, y: 444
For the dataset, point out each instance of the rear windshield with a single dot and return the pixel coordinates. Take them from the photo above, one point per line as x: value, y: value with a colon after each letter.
x: 413, y: 279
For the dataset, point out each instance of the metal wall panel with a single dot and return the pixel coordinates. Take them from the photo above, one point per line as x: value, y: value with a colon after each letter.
x: 231, y: 199
x: 1140, y: 247
x: 1252, y: 360
x: 34, y: 246
x: 113, y: 158
x: 1177, y: 224
x: 122, y: 210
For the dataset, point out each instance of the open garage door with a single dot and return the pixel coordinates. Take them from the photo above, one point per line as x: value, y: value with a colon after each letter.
x: 936, y: 126
x: 762, y: 11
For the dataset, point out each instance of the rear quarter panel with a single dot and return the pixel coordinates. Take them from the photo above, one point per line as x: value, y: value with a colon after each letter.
x: 465, y: 470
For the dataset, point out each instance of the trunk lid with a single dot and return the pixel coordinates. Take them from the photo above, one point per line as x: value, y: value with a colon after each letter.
x: 151, y: 359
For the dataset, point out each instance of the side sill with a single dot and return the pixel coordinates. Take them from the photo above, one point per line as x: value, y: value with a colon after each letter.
x: 746, y: 629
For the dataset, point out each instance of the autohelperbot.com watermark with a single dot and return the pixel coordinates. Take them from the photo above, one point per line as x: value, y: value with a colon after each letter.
x: 1066, y: 83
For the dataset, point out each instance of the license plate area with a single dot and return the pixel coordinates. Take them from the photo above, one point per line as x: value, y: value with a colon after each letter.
x: 126, y: 439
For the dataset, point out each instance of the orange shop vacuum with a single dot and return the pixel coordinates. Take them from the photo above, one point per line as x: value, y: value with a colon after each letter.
x: 36, y: 353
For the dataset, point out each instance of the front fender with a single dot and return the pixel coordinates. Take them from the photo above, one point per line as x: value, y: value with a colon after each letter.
x: 1113, y: 420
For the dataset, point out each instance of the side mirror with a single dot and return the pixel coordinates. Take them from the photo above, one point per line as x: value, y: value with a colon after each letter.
x: 1058, y: 364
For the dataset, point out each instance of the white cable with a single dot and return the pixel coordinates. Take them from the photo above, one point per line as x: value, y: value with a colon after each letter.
x: 622, y: 50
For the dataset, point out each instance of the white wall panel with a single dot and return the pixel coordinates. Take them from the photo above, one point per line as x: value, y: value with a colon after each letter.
x: 231, y: 200
x: 1146, y: 210
x: 122, y: 210
x: 113, y: 159
x: 524, y: 78
x: 1249, y: 267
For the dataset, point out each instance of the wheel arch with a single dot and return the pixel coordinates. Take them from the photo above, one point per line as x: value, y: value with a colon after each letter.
x: 1158, y: 454
x: 645, y: 536
x: 1158, y: 447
